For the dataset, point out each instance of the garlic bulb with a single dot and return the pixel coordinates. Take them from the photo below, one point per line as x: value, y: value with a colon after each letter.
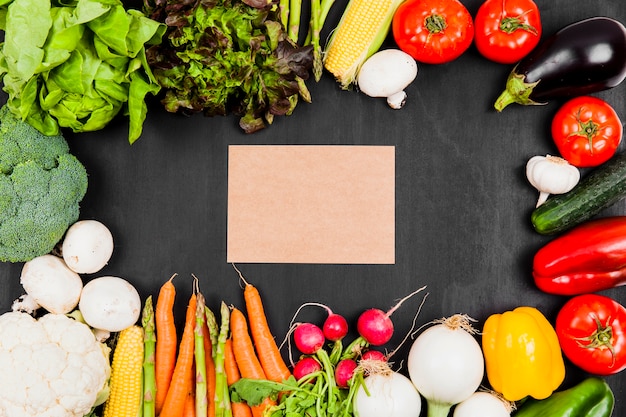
x: 551, y: 175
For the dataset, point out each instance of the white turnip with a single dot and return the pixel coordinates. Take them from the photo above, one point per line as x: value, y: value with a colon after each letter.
x: 385, y: 393
x: 483, y: 404
x: 446, y: 364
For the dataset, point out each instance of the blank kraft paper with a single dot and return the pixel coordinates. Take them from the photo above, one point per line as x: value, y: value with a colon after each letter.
x: 311, y: 204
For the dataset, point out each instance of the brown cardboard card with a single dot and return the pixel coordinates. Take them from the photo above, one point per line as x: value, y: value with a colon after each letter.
x: 327, y: 204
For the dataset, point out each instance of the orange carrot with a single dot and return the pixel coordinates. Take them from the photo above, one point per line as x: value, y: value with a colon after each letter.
x: 240, y: 409
x: 210, y: 370
x: 230, y: 364
x: 167, y: 341
x: 190, y: 400
x: 245, y: 355
x: 267, y: 351
x: 174, y: 404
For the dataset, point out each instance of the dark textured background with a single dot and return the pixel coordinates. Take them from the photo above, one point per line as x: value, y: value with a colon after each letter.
x: 462, y: 199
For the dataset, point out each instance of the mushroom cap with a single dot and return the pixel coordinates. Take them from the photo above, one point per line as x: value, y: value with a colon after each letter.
x: 87, y: 246
x: 386, y: 72
x: 51, y: 284
x: 110, y: 303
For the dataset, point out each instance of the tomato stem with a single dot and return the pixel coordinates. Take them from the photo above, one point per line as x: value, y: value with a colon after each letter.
x: 590, y: 129
x: 601, y: 337
x: 511, y: 24
x: 435, y: 23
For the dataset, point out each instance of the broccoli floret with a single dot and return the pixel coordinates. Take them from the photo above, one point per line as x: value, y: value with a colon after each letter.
x: 41, y: 186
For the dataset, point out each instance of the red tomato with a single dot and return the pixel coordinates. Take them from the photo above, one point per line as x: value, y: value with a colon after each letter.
x: 433, y: 31
x: 586, y: 131
x: 592, y: 332
x: 507, y: 30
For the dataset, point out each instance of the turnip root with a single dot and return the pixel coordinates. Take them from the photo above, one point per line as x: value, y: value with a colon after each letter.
x: 483, y: 404
x: 446, y: 364
x: 50, y: 284
x: 385, y: 393
x: 110, y: 304
x: 87, y: 246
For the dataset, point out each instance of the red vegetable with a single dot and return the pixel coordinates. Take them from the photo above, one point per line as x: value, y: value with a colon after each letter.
x: 587, y: 131
x: 375, y: 326
x: 507, y: 30
x: 306, y: 366
x: 335, y: 327
x: 308, y: 338
x: 374, y: 355
x: 592, y: 332
x: 590, y: 257
x: 344, y: 372
x: 433, y: 31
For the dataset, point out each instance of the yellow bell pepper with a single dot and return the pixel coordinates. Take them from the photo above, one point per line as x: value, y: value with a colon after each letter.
x: 522, y: 354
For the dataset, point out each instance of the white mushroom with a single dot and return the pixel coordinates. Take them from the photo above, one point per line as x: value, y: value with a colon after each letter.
x: 50, y: 284
x: 87, y: 246
x: 110, y: 304
x: 386, y: 74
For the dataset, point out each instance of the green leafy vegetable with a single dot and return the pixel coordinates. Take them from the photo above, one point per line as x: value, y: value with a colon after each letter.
x: 78, y: 64
x: 223, y: 56
x: 312, y: 395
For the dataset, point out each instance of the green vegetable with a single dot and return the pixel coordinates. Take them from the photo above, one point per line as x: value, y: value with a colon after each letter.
x: 41, y: 185
x: 222, y: 403
x: 227, y: 56
x: 601, y: 188
x: 316, y: 394
x: 590, y: 398
x: 76, y: 64
x: 201, y: 384
x: 149, y: 378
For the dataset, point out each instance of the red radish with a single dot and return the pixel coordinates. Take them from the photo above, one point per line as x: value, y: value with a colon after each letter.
x: 335, y: 327
x: 306, y: 366
x: 344, y: 371
x: 373, y: 355
x: 375, y: 326
x: 308, y: 338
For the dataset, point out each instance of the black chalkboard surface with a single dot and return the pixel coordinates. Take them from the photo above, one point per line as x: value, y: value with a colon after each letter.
x: 462, y: 200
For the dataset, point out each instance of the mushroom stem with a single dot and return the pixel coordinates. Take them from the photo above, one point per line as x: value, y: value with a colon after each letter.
x: 397, y: 100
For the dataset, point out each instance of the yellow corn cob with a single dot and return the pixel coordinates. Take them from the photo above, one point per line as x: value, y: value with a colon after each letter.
x: 125, y: 397
x: 360, y: 32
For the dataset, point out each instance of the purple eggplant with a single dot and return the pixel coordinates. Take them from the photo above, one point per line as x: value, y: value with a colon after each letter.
x: 582, y: 58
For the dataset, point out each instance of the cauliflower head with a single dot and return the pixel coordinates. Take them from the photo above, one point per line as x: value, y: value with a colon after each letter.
x: 41, y: 186
x: 51, y: 367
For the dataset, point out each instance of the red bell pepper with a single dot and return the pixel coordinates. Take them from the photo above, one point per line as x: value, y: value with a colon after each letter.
x: 590, y: 257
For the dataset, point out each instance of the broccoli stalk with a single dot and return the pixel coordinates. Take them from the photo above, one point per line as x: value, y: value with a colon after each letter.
x: 41, y: 186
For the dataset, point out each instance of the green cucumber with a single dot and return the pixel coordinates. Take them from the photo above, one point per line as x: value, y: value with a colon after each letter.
x: 601, y: 188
